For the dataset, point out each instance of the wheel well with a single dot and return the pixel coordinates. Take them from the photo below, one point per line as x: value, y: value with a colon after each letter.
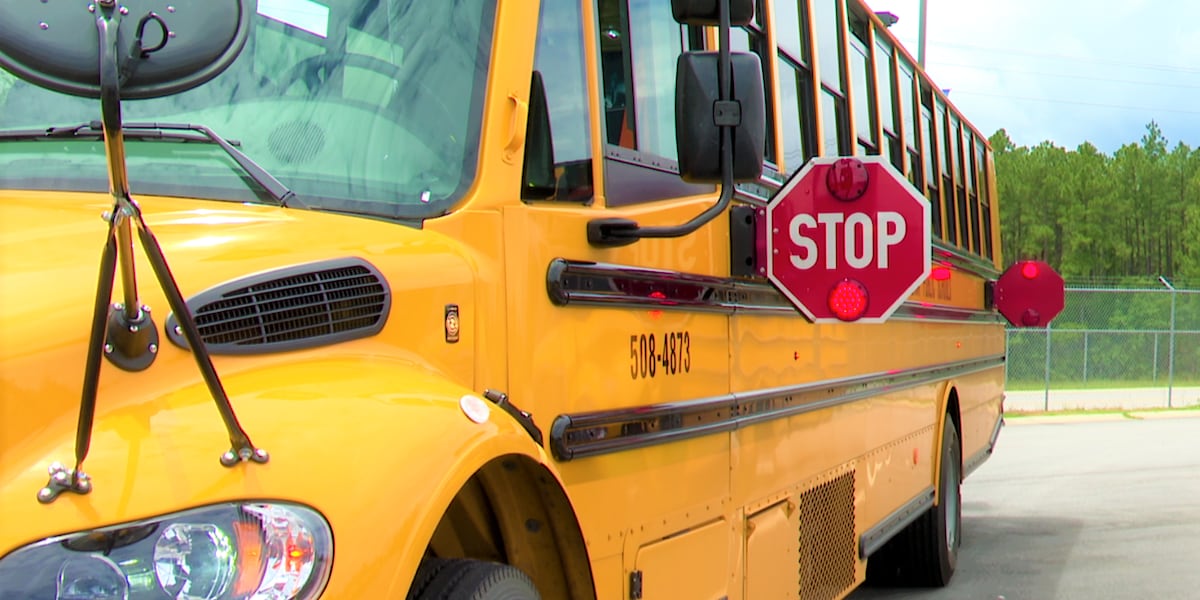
x: 513, y: 511
x: 955, y: 415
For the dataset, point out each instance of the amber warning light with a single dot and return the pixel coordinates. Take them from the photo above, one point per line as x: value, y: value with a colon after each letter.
x: 1029, y: 294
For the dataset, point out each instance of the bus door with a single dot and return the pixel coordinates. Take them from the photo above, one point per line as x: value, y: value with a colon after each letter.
x: 621, y: 353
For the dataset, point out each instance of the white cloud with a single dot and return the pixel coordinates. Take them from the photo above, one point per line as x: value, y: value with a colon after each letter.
x: 1067, y: 72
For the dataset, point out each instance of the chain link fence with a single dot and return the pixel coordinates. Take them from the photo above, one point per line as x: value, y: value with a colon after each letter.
x: 1110, y: 348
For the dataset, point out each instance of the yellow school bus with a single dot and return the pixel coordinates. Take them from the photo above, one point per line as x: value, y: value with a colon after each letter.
x: 460, y: 299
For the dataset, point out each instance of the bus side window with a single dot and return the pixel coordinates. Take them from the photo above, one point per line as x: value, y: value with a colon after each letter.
x: 640, y: 42
x: 558, y: 155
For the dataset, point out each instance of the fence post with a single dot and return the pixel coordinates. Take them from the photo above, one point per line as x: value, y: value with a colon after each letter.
x: 1171, y: 353
x: 1085, y: 355
x: 1170, y: 343
x: 1155, y: 357
x: 1046, y: 393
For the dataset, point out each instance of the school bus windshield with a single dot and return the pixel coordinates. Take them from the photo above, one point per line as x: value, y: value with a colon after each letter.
x: 365, y: 106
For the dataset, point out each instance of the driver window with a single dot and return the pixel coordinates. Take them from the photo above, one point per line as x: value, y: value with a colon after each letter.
x: 558, y: 141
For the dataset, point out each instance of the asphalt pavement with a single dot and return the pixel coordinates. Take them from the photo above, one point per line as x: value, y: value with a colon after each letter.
x: 1092, y: 507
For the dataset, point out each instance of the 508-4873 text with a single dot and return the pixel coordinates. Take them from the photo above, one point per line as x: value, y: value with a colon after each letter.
x: 650, y: 355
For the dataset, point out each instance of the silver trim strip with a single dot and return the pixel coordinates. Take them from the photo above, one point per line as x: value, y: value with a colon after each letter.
x: 585, y: 434
x: 603, y: 284
x: 985, y: 453
x: 874, y: 538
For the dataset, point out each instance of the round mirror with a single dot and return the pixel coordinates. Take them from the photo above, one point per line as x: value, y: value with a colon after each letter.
x: 164, y: 47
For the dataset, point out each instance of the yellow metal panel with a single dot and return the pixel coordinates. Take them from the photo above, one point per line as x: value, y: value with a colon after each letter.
x: 773, y: 552
x: 690, y: 565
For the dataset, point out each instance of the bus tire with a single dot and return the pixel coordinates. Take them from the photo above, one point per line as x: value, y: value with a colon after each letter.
x: 925, y: 553
x: 462, y: 579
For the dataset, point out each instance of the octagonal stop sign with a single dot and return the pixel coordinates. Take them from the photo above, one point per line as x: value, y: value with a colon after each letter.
x: 1029, y: 294
x: 848, y: 239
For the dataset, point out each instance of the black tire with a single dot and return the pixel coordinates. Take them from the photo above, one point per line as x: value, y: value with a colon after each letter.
x: 462, y: 579
x: 925, y: 553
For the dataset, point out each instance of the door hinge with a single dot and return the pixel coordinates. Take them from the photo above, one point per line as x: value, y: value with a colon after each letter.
x: 635, y: 585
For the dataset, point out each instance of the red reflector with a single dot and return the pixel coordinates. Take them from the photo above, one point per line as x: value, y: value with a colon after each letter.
x: 940, y: 273
x: 848, y: 300
x: 1029, y: 270
x: 847, y: 179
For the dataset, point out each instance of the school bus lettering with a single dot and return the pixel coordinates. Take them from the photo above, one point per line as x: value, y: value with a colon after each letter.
x: 354, y: 261
x: 668, y: 354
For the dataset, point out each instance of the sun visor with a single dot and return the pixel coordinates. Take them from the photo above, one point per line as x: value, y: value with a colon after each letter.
x: 163, y: 47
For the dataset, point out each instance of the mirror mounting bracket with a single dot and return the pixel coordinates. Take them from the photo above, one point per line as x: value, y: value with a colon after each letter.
x: 124, y: 332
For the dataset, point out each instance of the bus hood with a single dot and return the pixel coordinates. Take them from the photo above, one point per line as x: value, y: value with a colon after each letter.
x: 50, y: 252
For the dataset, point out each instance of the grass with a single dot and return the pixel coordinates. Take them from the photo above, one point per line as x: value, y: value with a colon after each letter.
x: 1127, y: 413
x: 1097, y: 384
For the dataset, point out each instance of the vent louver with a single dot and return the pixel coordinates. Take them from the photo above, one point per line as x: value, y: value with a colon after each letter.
x: 296, y: 307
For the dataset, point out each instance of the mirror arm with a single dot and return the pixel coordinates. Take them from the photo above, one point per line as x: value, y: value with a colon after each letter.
x: 609, y: 233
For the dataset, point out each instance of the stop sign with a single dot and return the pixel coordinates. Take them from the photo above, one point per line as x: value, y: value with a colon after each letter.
x: 848, y: 239
x: 1030, y: 293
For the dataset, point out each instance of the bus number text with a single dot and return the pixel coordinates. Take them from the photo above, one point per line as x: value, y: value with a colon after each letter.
x: 668, y: 354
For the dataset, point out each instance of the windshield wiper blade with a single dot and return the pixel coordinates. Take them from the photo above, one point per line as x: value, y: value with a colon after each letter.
x: 168, y: 131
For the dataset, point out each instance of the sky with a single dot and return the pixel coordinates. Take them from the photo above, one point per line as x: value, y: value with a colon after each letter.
x: 1067, y: 72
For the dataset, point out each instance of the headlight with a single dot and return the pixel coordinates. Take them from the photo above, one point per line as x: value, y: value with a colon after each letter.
x: 251, y: 551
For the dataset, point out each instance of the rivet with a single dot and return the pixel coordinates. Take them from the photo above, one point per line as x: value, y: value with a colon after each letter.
x: 91, y: 8
x: 45, y: 495
x: 178, y: 330
x: 170, y: 9
x: 118, y: 306
x: 153, y: 348
x: 44, y: 25
x: 133, y: 329
x: 124, y: 11
x: 170, y: 34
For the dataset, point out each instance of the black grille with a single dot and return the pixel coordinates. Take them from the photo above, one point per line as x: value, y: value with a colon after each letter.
x: 297, y: 307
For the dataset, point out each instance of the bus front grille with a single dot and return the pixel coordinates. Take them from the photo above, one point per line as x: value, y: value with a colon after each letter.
x: 288, y: 309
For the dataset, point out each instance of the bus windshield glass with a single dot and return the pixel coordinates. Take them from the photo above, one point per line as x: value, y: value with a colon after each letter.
x: 363, y: 106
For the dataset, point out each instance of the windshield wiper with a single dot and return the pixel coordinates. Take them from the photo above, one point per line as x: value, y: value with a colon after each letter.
x: 167, y: 131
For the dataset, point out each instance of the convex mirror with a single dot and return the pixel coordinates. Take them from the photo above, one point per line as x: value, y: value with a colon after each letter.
x: 163, y: 47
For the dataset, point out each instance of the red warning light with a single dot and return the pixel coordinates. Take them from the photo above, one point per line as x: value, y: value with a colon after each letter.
x: 847, y: 179
x: 940, y: 273
x: 1029, y: 270
x: 848, y: 300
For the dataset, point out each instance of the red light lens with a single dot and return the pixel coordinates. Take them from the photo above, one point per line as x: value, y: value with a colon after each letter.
x: 847, y: 179
x: 1029, y: 270
x: 940, y: 273
x: 848, y: 300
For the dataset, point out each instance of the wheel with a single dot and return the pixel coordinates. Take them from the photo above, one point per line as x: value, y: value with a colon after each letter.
x: 462, y: 579
x: 926, y: 552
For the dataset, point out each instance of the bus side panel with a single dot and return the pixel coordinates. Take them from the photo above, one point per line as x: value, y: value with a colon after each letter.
x: 578, y: 358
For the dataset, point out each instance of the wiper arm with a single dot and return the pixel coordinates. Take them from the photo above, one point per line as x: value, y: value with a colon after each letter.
x: 167, y: 131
